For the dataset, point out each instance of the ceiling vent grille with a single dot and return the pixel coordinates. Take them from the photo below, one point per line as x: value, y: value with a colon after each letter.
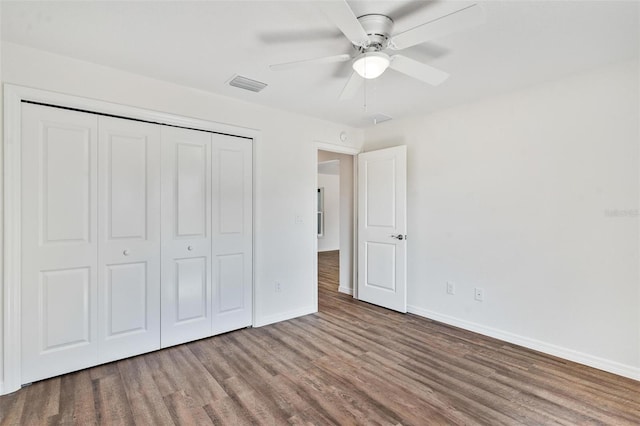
x: 247, y: 83
x: 379, y: 118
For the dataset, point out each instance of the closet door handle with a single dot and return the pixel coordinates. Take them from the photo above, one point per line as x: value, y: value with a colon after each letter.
x: 126, y: 252
x: 190, y: 248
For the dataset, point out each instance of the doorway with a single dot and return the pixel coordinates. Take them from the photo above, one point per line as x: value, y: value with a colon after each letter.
x: 335, y: 199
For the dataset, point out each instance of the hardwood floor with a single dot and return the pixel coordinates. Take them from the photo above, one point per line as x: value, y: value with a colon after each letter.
x: 352, y: 363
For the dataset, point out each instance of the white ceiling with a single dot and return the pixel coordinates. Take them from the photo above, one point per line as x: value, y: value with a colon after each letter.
x: 203, y: 44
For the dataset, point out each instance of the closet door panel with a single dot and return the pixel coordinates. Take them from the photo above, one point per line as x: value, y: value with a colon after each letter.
x: 186, y: 235
x: 232, y: 233
x: 129, y: 226
x: 126, y: 183
x: 59, y: 241
x: 126, y: 298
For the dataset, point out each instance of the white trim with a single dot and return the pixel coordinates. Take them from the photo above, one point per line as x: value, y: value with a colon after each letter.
x: 12, y: 240
x: 284, y: 316
x: 254, y: 223
x: 354, y: 270
x: 537, y: 345
x: 346, y: 290
x: 13, y: 96
x: 336, y: 148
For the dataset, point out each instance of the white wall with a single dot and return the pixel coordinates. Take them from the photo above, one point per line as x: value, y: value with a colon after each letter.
x: 346, y: 217
x: 331, y: 238
x: 533, y: 196
x: 285, y: 163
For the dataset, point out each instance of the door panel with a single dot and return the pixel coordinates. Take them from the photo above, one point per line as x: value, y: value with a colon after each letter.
x: 126, y: 181
x: 129, y: 226
x: 381, y: 218
x: 66, y: 314
x: 59, y: 242
x: 192, y: 290
x: 126, y: 301
x: 232, y: 232
x: 65, y: 158
x: 186, y: 235
x: 191, y: 186
x: 230, y: 267
x: 381, y: 262
x: 230, y: 188
x: 380, y: 203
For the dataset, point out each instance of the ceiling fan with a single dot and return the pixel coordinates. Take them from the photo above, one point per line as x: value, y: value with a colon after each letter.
x: 372, y: 39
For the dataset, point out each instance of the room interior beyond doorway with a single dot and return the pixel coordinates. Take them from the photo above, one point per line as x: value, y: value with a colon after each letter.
x: 335, y: 175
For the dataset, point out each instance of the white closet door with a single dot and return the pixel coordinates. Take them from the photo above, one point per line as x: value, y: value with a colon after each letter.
x: 186, y: 235
x: 232, y: 232
x: 129, y: 228
x: 59, y: 241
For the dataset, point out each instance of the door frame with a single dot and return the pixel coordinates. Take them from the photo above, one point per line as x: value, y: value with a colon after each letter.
x: 11, y: 198
x: 324, y: 146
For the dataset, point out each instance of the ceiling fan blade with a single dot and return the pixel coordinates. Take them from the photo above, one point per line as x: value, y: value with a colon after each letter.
x: 343, y: 17
x: 467, y: 17
x: 352, y: 86
x: 324, y: 60
x: 418, y: 70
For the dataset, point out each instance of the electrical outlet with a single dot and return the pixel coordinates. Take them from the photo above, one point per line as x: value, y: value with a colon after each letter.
x: 278, y: 287
x: 479, y: 294
x: 451, y: 287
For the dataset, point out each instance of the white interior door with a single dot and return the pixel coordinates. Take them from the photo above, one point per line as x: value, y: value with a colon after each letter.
x: 129, y: 242
x: 382, y: 218
x: 232, y: 232
x: 59, y: 242
x: 186, y: 235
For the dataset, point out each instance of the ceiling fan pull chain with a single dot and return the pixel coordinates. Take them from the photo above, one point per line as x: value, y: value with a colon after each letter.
x: 365, y: 95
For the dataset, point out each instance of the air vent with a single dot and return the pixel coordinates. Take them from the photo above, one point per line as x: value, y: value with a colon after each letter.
x: 247, y: 83
x: 379, y: 118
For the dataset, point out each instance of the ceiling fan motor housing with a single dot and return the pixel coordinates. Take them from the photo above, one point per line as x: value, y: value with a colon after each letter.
x: 378, y: 28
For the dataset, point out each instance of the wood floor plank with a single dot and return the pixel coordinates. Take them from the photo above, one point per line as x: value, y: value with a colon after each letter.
x: 351, y: 363
x: 111, y: 404
x: 226, y: 411
x: 184, y: 410
x: 12, y: 407
x: 42, y: 401
x: 142, y: 392
x: 77, y: 406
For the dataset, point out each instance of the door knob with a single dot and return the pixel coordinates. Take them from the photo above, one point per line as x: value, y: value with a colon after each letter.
x: 399, y: 237
x: 189, y: 248
x: 126, y: 252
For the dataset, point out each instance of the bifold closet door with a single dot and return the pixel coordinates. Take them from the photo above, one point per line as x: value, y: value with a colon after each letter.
x: 232, y: 232
x: 59, y: 286
x: 186, y: 235
x: 129, y: 237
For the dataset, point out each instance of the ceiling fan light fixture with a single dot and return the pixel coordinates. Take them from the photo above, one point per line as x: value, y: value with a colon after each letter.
x: 371, y: 64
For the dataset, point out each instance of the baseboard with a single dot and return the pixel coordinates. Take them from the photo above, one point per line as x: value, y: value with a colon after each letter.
x: 283, y: 316
x: 537, y: 345
x: 346, y: 290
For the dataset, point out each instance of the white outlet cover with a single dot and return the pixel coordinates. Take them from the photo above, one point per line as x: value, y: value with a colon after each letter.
x: 451, y: 287
x: 479, y: 294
